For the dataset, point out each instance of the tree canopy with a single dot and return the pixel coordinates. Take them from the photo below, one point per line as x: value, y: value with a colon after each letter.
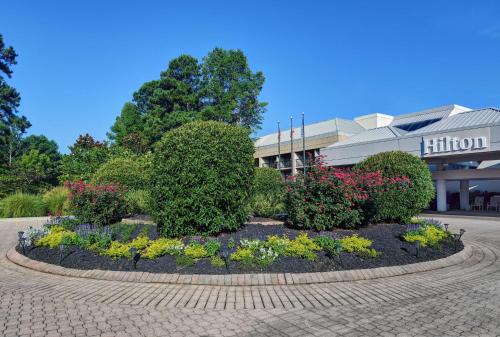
x: 41, y: 144
x: 85, y: 158
x: 222, y: 87
x: 12, y: 125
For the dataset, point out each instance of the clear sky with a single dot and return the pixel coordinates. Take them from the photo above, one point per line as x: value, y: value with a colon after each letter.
x: 80, y: 61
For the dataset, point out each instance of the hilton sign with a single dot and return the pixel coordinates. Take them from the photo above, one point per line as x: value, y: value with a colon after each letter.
x: 453, y: 144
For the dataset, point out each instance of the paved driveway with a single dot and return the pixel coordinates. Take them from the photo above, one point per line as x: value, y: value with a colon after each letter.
x: 462, y: 300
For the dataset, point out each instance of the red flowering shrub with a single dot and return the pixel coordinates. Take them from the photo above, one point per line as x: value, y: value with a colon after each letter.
x: 330, y: 197
x: 97, y: 204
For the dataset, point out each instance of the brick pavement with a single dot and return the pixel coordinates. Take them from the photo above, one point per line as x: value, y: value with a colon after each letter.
x: 459, y: 300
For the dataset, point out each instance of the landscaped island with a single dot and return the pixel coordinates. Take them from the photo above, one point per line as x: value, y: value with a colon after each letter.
x: 254, y: 248
x: 200, y: 189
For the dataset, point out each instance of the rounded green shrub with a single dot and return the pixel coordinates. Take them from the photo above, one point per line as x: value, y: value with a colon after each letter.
x: 400, y: 204
x: 201, y: 179
x: 57, y: 200
x: 129, y: 172
x: 269, y: 192
x: 23, y: 205
x: 137, y: 201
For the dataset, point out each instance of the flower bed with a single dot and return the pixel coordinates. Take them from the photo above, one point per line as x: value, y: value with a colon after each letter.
x: 254, y: 248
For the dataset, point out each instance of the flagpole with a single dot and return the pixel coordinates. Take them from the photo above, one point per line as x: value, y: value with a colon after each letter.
x: 279, y: 146
x: 292, y: 156
x: 303, y: 145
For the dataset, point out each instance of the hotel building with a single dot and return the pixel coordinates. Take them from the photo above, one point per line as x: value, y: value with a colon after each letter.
x: 461, y: 146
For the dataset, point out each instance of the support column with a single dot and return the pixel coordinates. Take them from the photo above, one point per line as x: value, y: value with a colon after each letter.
x: 261, y: 162
x: 441, y: 195
x: 464, y: 195
x: 294, y: 163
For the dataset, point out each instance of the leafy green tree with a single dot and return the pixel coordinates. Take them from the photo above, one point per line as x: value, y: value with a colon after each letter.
x: 129, y: 122
x: 86, y: 142
x: 11, y: 124
x: 230, y: 89
x: 135, y: 142
x: 160, y: 105
x: 175, y: 99
x: 37, y: 168
x: 85, y: 158
x: 42, y: 144
x: 222, y: 88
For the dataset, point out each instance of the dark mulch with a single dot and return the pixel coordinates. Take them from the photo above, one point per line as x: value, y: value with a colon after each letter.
x: 386, y: 238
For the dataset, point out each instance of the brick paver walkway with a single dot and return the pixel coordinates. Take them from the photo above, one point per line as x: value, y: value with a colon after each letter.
x: 458, y: 300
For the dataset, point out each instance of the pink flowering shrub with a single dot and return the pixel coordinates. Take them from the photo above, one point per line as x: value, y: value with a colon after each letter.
x: 97, y: 204
x: 395, y: 205
x: 329, y: 197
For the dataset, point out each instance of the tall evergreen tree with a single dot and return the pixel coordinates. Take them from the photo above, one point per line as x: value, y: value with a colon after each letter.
x: 221, y: 88
x: 12, y: 125
x: 230, y: 89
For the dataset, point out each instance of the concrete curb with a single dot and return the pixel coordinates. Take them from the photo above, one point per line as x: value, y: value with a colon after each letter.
x: 242, y: 279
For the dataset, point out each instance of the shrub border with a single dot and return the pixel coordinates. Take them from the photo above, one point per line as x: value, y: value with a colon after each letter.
x: 242, y: 279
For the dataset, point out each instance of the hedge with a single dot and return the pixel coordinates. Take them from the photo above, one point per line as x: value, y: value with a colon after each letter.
x: 269, y: 192
x: 129, y: 172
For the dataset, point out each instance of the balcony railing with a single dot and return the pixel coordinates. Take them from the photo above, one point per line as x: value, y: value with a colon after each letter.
x: 272, y: 165
x: 287, y: 164
x: 300, y: 163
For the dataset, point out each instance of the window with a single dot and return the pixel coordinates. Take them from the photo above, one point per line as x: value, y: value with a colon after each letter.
x: 417, y: 125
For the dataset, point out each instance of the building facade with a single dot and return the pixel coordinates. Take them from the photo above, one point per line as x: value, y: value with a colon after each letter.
x: 461, y: 146
x: 318, y: 136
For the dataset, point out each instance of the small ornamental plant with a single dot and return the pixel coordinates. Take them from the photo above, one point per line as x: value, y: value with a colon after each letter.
x: 97, y: 204
x: 57, y: 236
x: 358, y: 245
x: 427, y: 234
x: 263, y: 253
x: 329, y: 197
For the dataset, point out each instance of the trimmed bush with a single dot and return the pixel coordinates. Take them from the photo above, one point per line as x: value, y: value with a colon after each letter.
x: 98, y: 205
x: 129, y: 172
x: 269, y: 192
x: 400, y: 205
x: 202, y: 175
x: 57, y: 200
x: 22, y: 205
x: 137, y: 201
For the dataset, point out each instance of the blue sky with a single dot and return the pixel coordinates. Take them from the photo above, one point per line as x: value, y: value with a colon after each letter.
x: 80, y: 61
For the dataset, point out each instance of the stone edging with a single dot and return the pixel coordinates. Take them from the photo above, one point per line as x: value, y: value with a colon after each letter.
x: 242, y: 279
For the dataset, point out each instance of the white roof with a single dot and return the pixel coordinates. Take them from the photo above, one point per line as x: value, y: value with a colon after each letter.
x: 370, y: 135
x: 429, y: 114
x: 443, y: 118
x: 456, y: 121
x: 462, y: 120
x: 332, y: 126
